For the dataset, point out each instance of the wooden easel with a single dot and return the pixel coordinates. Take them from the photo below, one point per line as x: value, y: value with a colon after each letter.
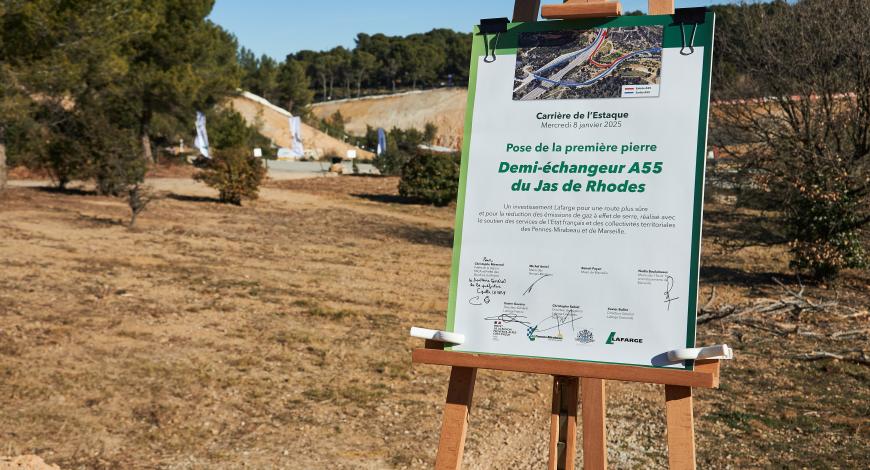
x: 571, y: 377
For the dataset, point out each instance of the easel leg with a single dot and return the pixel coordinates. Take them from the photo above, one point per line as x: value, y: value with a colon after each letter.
x: 455, y: 422
x: 594, y: 429
x: 563, y: 423
x: 681, y: 429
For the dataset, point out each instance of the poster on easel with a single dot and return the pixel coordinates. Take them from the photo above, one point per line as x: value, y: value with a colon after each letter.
x: 578, y: 221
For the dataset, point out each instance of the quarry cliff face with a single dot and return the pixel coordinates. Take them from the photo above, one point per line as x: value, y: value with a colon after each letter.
x: 273, y: 123
x: 444, y: 107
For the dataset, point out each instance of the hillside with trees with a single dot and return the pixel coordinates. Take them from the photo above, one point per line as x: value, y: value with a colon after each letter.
x: 377, y: 64
x: 89, y: 89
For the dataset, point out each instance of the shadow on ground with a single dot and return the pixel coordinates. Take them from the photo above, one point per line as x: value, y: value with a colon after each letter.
x: 66, y: 191
x: 188, y: 198
x: 741, y: 229
x: 393, y: 199
x: 723, y: 275
x: 442, y: 237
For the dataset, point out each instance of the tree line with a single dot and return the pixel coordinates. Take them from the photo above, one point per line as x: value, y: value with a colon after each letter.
x: 377, y: 64
x: 383, y: 64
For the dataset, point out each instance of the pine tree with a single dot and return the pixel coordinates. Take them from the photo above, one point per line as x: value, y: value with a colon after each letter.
x: 294, y: 91
x: 188, y: 63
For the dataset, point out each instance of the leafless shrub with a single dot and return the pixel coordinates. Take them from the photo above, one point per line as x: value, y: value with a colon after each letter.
x: 138, y: 198
x: 797, y: 118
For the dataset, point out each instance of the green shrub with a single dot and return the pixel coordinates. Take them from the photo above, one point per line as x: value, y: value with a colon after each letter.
x: 402, y: 146
x: 235, y: 173
x: 117, y: 164
x: 431, y: 177
x: 65, y: 160
x: 87, y: 144
x: 823, y: 220
x: 390, y: 163
x: 228, y: 129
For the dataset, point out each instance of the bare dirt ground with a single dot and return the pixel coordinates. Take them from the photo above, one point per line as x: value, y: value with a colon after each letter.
x: 274, y: 335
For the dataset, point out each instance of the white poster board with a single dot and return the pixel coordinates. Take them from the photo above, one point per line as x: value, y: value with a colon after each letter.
x: 579, y: 214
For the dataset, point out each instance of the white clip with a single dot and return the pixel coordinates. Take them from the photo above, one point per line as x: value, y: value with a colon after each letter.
x: 437, y: 335
x: 720, y: 351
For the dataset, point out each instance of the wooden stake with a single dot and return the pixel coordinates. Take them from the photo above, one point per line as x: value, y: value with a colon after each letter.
x: 681, y: 428
x: 594, y: 429
x: 573, y: 9
x: 661, y: 7
x: 454, y: 423
x: 526, y: 10
x: 563, y: 423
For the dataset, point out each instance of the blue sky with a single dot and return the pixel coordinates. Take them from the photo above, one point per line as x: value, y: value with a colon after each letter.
x: 278, y: 27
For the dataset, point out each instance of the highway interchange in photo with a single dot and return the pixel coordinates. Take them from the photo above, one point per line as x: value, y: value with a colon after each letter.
x: 586, y: 64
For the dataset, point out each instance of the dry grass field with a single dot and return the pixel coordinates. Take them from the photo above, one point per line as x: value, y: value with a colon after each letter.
x: 274, y: 335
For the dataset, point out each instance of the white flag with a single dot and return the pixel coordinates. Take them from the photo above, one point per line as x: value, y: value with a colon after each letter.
x: 201, y: 141
x: 382, y: 142
x: 296, y: 131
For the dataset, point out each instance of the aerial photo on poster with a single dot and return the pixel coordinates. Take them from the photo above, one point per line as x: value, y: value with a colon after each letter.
x: 601, y: 63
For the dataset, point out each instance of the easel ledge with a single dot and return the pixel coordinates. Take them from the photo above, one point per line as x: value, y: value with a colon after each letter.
x: 704, y: 375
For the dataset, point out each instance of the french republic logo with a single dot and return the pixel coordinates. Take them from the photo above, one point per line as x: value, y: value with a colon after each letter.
x: 584, y: 337
x: 613, y: 339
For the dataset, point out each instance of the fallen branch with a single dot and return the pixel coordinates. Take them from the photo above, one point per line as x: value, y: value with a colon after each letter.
x: 822, y: 355
x: 763, y: 326
x: 846, y: 334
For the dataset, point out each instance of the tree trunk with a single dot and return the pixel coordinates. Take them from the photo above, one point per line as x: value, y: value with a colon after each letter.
x: 358, y: 88
x: 2, y: 166
x: 146, y: 147
x: 144, y: 122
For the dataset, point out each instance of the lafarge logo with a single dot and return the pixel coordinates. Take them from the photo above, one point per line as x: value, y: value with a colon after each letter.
x: 619, y: 339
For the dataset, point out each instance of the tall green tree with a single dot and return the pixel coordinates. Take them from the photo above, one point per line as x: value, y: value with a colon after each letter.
x: 259, y: 75
x: 421, y: 61
x: 248, y: 66
x: 186, y: 64
x: 293, y: 90
x: 362, y: 65
x: 266, y: 78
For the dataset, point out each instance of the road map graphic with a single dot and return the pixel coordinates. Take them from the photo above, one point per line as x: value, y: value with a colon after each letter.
x: 603, y: 63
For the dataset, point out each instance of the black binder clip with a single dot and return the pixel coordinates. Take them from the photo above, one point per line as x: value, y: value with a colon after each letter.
x: 689, y: 16
x: 492, y: 26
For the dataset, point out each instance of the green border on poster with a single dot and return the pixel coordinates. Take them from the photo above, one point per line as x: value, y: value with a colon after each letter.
x: 673, y: 37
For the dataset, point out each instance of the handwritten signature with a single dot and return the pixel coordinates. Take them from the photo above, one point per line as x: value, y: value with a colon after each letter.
x: 509, y: 318
x: 669, y: 283
x: 536, y: 281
